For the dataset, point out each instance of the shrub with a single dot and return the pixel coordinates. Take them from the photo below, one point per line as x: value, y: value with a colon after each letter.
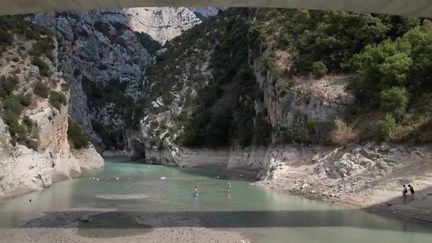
x: 41, y: 89
x: 28, y: 122
x: 77, y: 135
x: 44, y: 69
x: 8, y: 85
x: 319, y: 69
x: 24, y: 100
x: 386, y: 127
x: 57, y: 99
x: 343, y: 133
x: 42, y: 47
x: 394, y: 100
x: 65, y: 87
x: 6, y: 38
x: 13, y: 105
x: 15, y: 129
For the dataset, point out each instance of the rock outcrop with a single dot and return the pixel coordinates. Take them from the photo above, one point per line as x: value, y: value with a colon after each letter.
x: 305, y: 110
x: 34, y: 146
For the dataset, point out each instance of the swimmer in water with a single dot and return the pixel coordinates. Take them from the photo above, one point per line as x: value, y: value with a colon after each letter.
x: 229, y: 186
x: 196, y: 191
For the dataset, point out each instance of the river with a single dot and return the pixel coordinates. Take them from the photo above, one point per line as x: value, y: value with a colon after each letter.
x: 161, y: 191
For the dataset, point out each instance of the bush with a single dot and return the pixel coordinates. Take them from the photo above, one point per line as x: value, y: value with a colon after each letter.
x: 8, y: 85
x: 386, y: 127
x: 394, y: 100
x: 77, y: 135
x: 44, y: 69
x: 42, y: 47
x: 41, y: 90
x: 57, y: 99
x: 13, y: 105
x: 343, y: 133
x: 6, y: 39
x: 319, y: 69
x: 28, y: 122
x: 24, y: 100
x: 15, y: 128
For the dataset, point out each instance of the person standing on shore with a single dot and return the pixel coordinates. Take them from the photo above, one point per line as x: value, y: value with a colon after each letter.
x: 411, y: 191
x: 404, y: 192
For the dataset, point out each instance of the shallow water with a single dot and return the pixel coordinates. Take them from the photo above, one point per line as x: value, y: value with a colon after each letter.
x: 137, y: 189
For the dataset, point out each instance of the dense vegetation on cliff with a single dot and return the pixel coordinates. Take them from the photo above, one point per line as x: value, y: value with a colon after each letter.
x: 385, y: 56
x: 28, y: 80
x: 13, y: 98
x: 214, y: 86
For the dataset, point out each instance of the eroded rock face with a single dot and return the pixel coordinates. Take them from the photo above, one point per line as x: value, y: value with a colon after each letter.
x: 99, y: 55
x: 308, y: 107
x: 103, y: 55
x: 88, y: 158
x: 46, y: 156
x: 162, y: 24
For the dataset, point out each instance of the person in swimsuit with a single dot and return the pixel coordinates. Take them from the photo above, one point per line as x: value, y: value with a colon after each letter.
x: 229, y: 186
x: 404, y: 192
x: 196, y: 191
x: 411, y: 191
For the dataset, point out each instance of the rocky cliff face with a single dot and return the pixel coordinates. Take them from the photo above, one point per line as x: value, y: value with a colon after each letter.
x: 103, y: 55
x: 34, y: 147
x: 304, y: 110
x: 162, y: 24
x: 206, y: 103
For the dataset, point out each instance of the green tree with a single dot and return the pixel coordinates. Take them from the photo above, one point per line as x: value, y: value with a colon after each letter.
x: 381, y: 67
x: 386, y: 127
x: 394, y: 100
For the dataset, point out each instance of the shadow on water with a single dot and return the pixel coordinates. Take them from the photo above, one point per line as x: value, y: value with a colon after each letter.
x: 221, y: 172
x: 219, y: 219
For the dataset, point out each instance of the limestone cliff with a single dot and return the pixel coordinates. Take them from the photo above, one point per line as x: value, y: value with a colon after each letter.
x: 226, y: 95
x: 103, y: 55
x: 35, y: 150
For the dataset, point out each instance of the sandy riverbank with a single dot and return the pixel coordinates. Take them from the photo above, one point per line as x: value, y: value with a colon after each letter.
x: 365, y: 177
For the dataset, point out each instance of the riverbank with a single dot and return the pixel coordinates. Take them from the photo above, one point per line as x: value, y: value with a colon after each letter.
x: 363, y: 176
x: 109, y: 225
x: 29, y: 171
x: 368, y: 177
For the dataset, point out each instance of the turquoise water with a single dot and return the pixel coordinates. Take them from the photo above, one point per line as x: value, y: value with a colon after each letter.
x: 260, y: 215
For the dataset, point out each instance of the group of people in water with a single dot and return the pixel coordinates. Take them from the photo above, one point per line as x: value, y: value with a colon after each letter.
x: 405, y: 191
x: 196, y: 189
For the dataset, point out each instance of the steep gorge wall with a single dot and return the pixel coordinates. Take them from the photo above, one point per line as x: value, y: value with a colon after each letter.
x: 103, y: 55
x: 304, y: 112
x: 34, y: 144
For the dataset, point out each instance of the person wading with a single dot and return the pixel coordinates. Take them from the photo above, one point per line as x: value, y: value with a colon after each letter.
x: 196, y: 191
x: 411, y: 191
x: 228, y: 186
x: 404, y: 192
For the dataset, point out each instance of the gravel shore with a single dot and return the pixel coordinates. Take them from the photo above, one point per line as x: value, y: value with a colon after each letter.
x: 97, y: 225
